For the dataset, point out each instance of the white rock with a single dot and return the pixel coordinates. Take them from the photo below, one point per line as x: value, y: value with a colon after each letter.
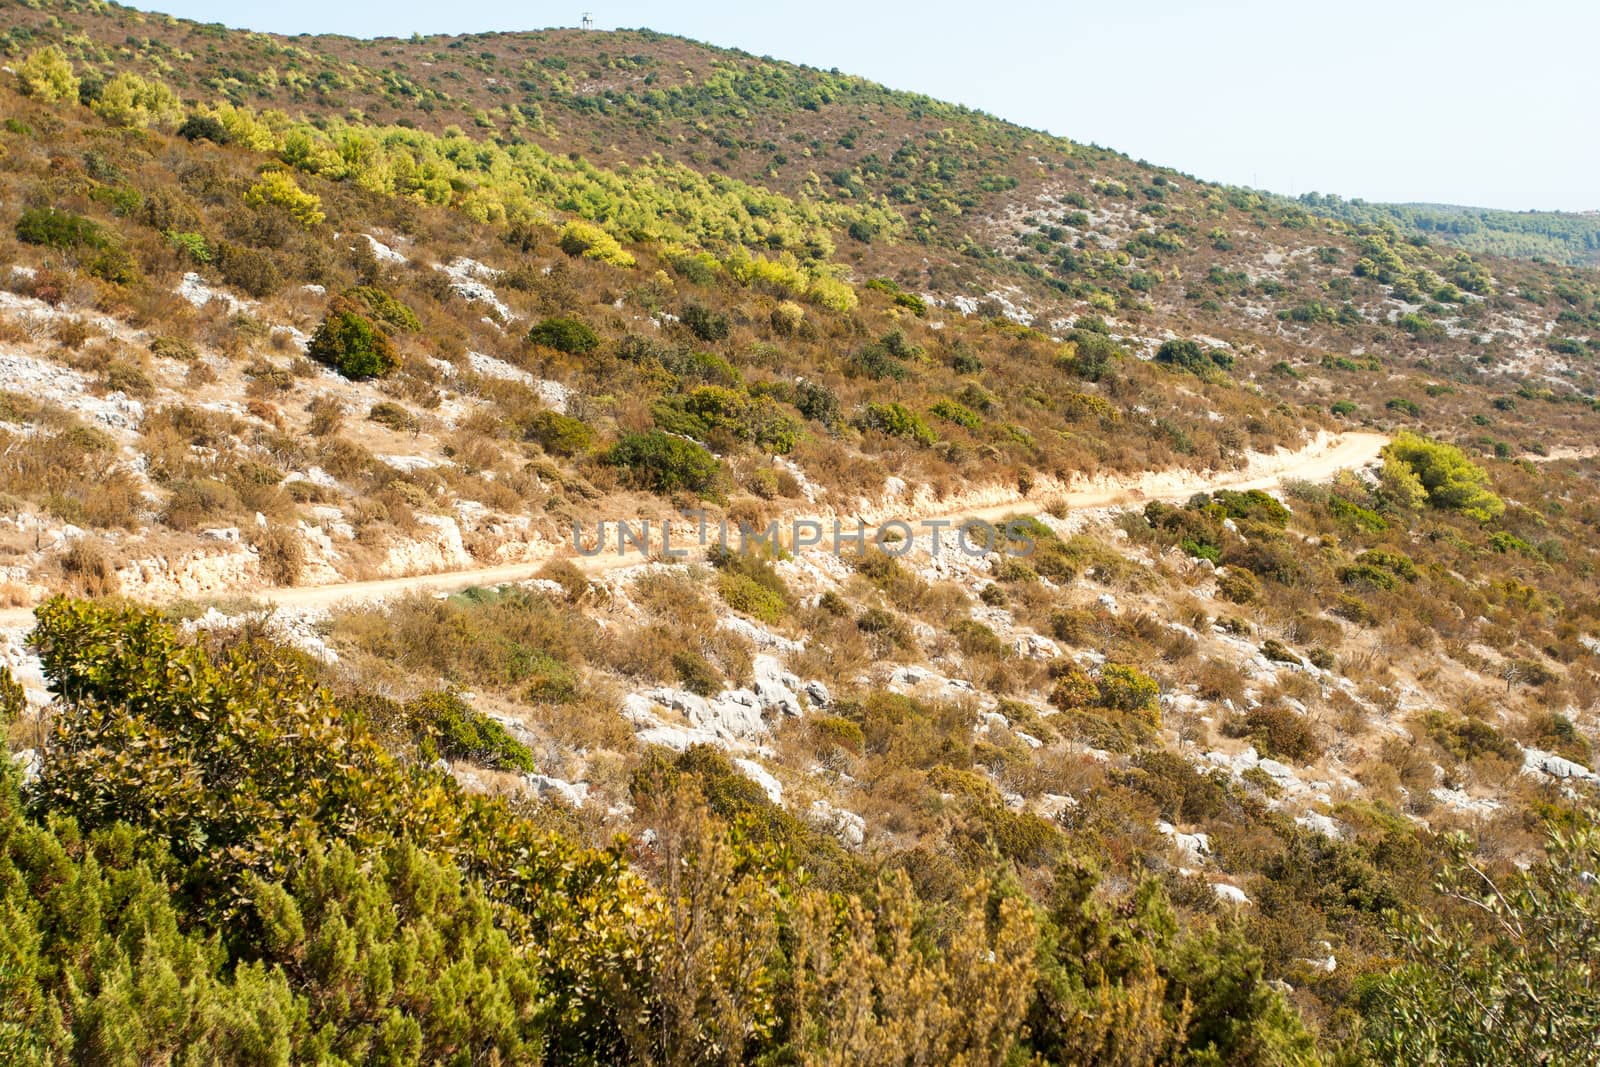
x: 845, y: 825
x: 1035, y: 646
x: 573, y: 793
x: 817, y: 693
x: 1319, y: 823
x: 1232, y: 894
x: 1193, y: 847
x: 758, y: 636
x: 762, y: 777
x: 1549, y: 765
x: 677, y: 738
x: 383, y: 253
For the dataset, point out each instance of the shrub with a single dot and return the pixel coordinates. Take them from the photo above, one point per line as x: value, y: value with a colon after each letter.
x: 1238, y: 585
x: 348, y: 342
x: 591, y: 242
x: 696, y: 674
x: 1280, y: 731
x: 393, y: 416
x: 1074, y: 688
x: 191, y: 244
x: 833, y: 294
x: 663, y: 463
x: 747, y: 596
x: 204, y: 128
x: 572, y: 336
x: 1469, y: 739
x: 1278, y: 652
x: 384, y: 309
x: 819, y: 404
x: 1452, y: 482
x: 787, y: 317
x: 281, y: 552
x: 838, y: 732
x: 704, y: 323
x: 560, y: 434
x: 1189, y: 356
x: 550, y: 681
x: 278, y: 188
x: 129, y: 100
x: 249, y: 269
x: 47, y: 75
x: 897, y: 420
x: 1127, y: 689
x: 959, y: 414
x: 61, y: 230
x: 453, y: 729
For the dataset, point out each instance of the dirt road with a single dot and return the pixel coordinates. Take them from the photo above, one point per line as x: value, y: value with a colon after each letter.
x: 1315, y: 463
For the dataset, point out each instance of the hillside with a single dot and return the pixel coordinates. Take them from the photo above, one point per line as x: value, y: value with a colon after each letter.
x: 1553, y: 236
x: 1222, y: 590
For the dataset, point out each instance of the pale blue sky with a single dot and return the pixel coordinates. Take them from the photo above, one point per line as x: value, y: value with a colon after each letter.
x: 1470, y: 102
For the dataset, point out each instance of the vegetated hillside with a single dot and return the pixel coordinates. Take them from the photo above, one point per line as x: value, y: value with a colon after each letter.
x: 1178, y: 785
x: 1570, y: 237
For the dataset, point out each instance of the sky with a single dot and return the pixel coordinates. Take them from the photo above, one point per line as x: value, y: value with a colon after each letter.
x: 1466, y: 102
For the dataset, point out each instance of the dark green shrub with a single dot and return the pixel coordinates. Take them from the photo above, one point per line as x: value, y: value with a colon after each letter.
x: 695, y: 672
x: 348, y: 342
x: 704, y: 323
x: 1189, y: 356
x: 666, y: 464
x: 61, y: 230
x: 819, y: 404
x: 204, y: 128
x: 572, y: 336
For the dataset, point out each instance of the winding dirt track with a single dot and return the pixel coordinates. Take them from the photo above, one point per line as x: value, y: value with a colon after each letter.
x: 1312, y: 464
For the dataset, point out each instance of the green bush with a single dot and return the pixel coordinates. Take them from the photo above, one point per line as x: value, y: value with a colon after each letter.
x: 191, y: 244
x: 1126, y: 689
x: 561, y: 435
x: 47, y: 75
x: 591, y: 242
x: 704, y: 323
x: 61, y: 230
x: 249, y: 269
x: 1451, y: 481
x: 897, y: 420
x: 451, y: 728
x: 204, y: 128
x: 348, y: 342
x: 1189, y: 356
x: 663, y: 463
x: 384, y: 309
x: 572, y: 336
x: 959, y: 414
x: 747, y: 596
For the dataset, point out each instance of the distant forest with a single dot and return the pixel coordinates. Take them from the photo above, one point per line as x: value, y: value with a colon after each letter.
x: 1571, y: 238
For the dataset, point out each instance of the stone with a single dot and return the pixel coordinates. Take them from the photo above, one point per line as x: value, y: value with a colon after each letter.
x: 1319, y: 823
x: 1230, y: 894
x: 762, y: 777
x: 817, y: 693
x: 847, y: 826
x: 1549, y: 765
x: 572, y: 793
